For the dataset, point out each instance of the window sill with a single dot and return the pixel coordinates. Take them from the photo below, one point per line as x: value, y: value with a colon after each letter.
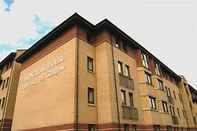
x: 92, y: 105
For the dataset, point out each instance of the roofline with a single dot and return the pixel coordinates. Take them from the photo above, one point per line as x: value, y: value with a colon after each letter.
x: 7, y: 59
x: 77, y: 19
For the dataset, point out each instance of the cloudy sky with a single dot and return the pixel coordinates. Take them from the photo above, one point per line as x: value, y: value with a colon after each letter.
x: 167, y: 28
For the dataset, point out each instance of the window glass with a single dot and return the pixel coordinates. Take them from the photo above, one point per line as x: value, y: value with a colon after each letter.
x: 148, y: 78
x: 165, y: 106
x: 157, y: 69
x: 127, y: 72
x: 120, y: 69
x: 152, y: 102
x: 160, y: 85
x: 91, y: 127
x: 123, y: 95
x: 131, y: 99
x: 90, y: 95
x: 90, y: 65
x: 144, y: 60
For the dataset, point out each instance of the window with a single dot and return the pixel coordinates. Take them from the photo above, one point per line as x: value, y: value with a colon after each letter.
x: 118, y: 43
x: 3, y: 103
x: 134, y: 127
x: 7, y: 82
x: 165, y: 106
x: 126, y: 127
x: 3, y: 84
x: 157, y: 69
x: 168, y: 92
x: 90, y: 65
x: 120, y: 69
x: 174, y: 95
x: 156, y: 128
x: 178, y: 112
x: 131, y: 99
x: 123, y: 95
x: 172, y: 110
x: 91, y: 127
x: 148, y: 78
x: 169, y: 128
x: 160, y: 85
x: 152, y: 101
x: 127, y: 72
x: 90, y: 95
x: 144, y: 60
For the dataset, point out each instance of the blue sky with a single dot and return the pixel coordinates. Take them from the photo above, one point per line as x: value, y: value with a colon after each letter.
x: 161, y: 26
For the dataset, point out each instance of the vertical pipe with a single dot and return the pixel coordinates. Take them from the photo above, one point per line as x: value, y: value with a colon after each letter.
x: 115, y: 84
x: 77, y: 81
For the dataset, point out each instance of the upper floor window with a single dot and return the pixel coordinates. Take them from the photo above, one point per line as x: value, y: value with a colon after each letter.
x: 144, y: 60
x: 90, y: 64
x: 152, y: 102
x: 117, y: 43
x: 178, y: 112
x: 168, y: 92
x: 123, y: 96
x: 90, y: 95
x: 120, y: 68
x: 131, y: 99
x: 165, y: 106
x: 160, y: 85
x: 3, y: 103
x: 174, y: 95
x: 148, y: 79
x: 157, y: 69
x: 127, y: 71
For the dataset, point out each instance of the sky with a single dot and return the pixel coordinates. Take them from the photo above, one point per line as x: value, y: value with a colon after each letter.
x: 167, y: 28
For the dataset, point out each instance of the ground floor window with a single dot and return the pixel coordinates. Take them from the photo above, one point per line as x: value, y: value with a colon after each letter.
x: 91, y: 127
x: 169, y: 128
x: 156, y: 127
x: 134, y: 127
x: 126, y: 127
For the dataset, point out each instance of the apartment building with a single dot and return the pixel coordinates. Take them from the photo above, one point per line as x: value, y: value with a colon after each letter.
x: 89, y: 77
x: 9, y: 77
x: 194, y: 103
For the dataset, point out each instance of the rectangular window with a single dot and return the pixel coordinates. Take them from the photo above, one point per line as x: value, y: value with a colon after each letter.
x: 144, y: 60
x: 90, y: 64
x: 160, y: 85
x: 168, y: 92
x: 131, y: 99
x: 91, y: 127
x: 3, y: 84
x: 134, y: 127
x: 157, y: 69
x: 123, y: 95
x: 3, y: 103
x: 118, y: 43
x: 90, y: 95
x: 127, y: 71
x: 156, y: 128
x: 148, y: 78
x: 7, y: 82
x: 178, y: 112
x: 126, y: 127
x: 120, y: 69
x: 165, y: 106
x: 169, y: 128
x: 152, y: 102
x: 174, y: 95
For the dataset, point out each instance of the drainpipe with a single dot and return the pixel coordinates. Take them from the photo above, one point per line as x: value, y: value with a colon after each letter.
x: 77, y: 82
x: 115, y: 84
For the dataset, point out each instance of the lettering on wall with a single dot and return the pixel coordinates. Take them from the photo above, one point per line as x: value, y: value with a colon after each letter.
x: 48, y: 69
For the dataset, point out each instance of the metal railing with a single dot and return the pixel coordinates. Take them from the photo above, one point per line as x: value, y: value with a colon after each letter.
x: 130, y: 113
x: 126, y: 82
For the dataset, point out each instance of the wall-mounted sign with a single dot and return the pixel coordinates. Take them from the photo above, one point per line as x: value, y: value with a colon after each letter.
x: 48, y: 69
